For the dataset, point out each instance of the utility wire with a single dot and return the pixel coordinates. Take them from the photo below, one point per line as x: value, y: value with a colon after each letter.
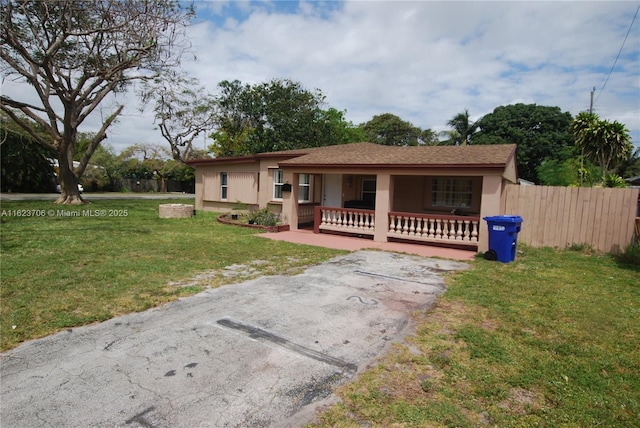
x: 619, y: 52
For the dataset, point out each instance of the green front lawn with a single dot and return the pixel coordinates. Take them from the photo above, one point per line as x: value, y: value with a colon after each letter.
x: 551, y: 340
x: 116, y: 257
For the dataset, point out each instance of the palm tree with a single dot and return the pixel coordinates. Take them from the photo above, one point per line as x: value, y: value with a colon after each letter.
x: 601, y: 141
x: 463, y: 129
x: 451, y: 138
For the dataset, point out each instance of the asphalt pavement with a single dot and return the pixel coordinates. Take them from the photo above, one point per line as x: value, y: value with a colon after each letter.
x: 262, y: 353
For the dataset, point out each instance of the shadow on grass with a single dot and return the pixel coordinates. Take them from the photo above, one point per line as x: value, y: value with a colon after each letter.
x: 630, y: 258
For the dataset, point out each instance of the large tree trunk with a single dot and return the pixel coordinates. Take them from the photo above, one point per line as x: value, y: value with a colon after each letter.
x: 69, y: 192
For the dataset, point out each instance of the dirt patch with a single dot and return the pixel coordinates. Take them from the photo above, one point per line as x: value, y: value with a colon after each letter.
x: 521, y: 401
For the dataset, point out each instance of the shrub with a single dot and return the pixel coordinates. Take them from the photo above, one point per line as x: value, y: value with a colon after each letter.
x: 631, y: 255
x: 612, y: 180
x: 263, y: 217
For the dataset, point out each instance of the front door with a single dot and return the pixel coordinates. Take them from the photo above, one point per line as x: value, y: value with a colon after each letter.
x: 332, y: 190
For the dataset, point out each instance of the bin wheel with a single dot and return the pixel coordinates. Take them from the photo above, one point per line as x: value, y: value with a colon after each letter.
x: 491, y: 255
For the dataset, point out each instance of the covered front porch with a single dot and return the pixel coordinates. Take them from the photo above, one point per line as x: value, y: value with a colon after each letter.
x: 428, y: 208
x: 459, y: 231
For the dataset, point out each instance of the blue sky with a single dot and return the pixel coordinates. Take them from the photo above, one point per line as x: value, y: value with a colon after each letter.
x: 424, y: 61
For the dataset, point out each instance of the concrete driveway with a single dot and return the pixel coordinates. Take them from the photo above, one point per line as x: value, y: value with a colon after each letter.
x: 263, y: 353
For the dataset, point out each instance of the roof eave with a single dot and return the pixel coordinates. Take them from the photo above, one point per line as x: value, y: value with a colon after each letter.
x: 391, y: 166
x: 239, y: 159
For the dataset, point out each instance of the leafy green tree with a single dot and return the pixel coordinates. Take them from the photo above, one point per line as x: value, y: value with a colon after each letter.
x: 540, y: 132
x: 104, y: 168
x: 605, y: 143
x: 429, y: 138
x: 149, y: 161
x: 73, y: 54
x: 339, y: 129
x: 462, y: 130
x: 630, y: 167
x: 568, y: 172
x: 233, y: 120
x: 24, y: 165
x: 275, y: 115
x: 390, y: 130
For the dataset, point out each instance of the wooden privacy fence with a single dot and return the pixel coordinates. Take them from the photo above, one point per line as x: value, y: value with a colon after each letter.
x: 563, y: 216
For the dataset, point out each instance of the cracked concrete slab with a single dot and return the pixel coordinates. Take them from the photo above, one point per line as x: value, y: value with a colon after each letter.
x: 262, y: 353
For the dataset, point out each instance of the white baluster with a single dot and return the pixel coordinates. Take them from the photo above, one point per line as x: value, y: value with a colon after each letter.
x: 432, y: 230
x: 466, y: 236
x: 458, y: 230
x: 474, y: 232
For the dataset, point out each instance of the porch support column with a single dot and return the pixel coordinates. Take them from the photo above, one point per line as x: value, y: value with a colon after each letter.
x: 489, y: 206
x: 383, y: 204
x: 290, y: 200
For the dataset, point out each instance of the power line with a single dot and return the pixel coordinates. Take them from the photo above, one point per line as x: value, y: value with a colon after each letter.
x: 619, y: 52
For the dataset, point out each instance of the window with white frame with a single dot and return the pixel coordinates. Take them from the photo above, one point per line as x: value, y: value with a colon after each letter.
x: 304, y: 192
x: 224, y: 185
x: 278, y: 181
x: 451, y: 192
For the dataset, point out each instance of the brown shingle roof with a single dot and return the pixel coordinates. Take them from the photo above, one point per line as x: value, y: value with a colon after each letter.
x: 370, y: 155
x: 376, y: 155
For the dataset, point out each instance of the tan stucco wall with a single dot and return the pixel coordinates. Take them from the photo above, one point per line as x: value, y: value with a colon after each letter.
x: 492, y: 187
x: 208, y: 199
x: 383, y: 206
x: 261, y: 194
x: 510, y: 171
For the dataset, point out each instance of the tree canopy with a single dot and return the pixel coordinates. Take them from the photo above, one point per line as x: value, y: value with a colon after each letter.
x: 24, y: 165
x: 276, y: 115
x: 541, y: 132
x: 390, y: 130
x: 601, y: 141
x: 73, y: 55
x: 462, y: 130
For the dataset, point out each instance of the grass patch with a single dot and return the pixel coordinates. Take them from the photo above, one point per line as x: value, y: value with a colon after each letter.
x: 61, y: 272
x: 552, y: 339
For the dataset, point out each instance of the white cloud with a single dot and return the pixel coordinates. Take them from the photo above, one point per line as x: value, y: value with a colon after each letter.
x: 424, y: 61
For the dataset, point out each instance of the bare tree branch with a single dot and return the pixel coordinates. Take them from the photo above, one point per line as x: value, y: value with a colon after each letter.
x: 73, y: 54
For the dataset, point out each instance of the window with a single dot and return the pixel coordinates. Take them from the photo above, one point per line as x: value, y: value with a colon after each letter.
x: 451, y: 192
x: 278, y: 181
x: 369, y: 191
x: 224, y: 186
x: 304, y: 193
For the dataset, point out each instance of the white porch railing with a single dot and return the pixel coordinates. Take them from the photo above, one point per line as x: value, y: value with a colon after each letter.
x: 457, y: 230
x: 461, y: 230
x: 348, y: 220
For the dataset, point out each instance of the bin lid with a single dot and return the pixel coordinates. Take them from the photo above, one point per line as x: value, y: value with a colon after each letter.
x: 504, y: 219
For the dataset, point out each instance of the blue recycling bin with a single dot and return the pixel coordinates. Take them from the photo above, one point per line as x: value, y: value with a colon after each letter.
x: 503, y: 237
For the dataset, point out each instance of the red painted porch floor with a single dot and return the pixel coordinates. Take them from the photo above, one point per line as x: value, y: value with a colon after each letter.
x: 354, y: 244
